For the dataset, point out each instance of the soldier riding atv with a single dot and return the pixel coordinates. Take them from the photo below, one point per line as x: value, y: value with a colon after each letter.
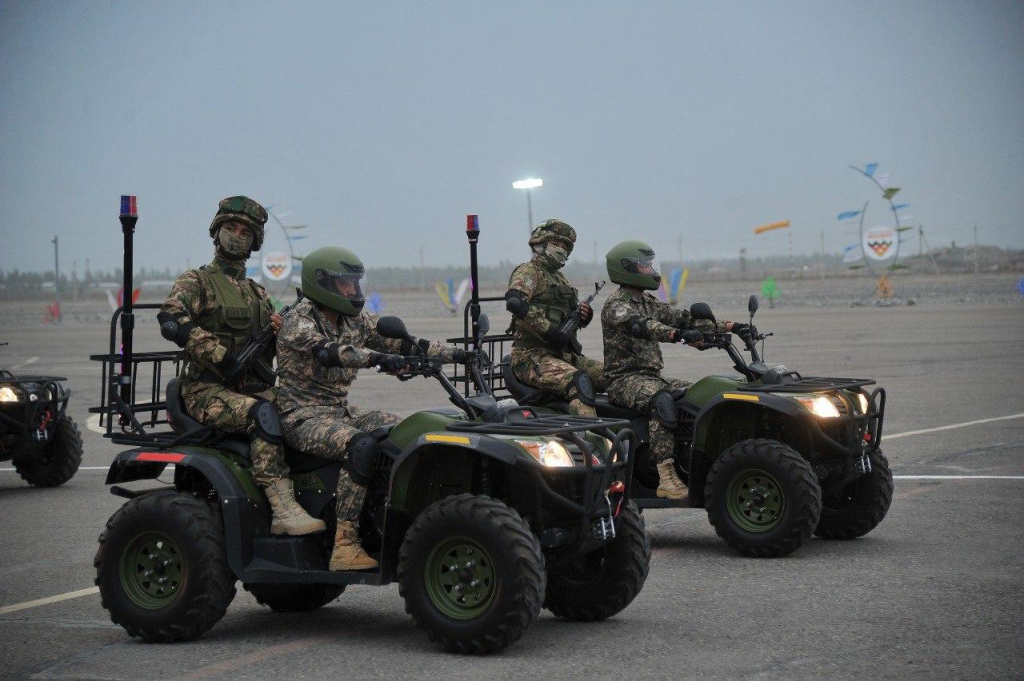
x: 483, y: 514
x: 35, y: 430
x: 772, y: 455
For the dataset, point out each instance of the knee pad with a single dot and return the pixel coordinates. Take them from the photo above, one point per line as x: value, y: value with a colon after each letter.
x: 264, y: 418
x: 362, y: 453
x: 663, y: 408
x: 583, y: 387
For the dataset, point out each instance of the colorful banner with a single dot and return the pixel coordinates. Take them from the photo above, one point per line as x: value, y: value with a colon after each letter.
x: 848, y: 214
x: 672, y: 285
x: 852, y: 254
x: 880, y: 243
x: 870, y: 169
x: 890, y: 192
x: 277, y: 266
x: 781, y: 224
x: 900, y: 206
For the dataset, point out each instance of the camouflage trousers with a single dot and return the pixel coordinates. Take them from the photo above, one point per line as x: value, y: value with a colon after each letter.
x: 553, y: 373
x: 213, y: 404
x: 636, y: 392
x: 325, y: 432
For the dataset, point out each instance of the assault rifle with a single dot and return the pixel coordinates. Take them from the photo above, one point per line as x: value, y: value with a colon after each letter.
x: 571, y: 323
x: 254, y: 348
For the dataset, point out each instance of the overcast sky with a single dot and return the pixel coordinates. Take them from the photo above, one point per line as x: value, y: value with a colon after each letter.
x: 382, y: 124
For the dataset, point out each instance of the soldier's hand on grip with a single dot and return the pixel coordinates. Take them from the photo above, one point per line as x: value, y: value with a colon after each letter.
x: 461, y: 356
x: 390, y: 363
x: 690, y: 337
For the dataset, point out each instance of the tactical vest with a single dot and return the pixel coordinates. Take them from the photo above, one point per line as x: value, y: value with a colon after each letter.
x: 231, y: 319
x: 554, y: 296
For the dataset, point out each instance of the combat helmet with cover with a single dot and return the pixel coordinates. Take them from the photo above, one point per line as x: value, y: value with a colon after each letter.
x: 241, y: 209
x: 335, y: 278
x: 633, y: 263
x: 553, y: 230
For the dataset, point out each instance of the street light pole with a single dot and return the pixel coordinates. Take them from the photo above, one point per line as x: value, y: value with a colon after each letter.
x: 528, y: 184
x: 56, y: 281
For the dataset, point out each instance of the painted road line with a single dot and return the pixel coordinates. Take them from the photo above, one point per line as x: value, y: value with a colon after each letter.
x: 81, y: 468
x: 950, y: 427
x: 51, y: 599
x: 30, y: 360
x: 93, y: 424
x: 958, y: 477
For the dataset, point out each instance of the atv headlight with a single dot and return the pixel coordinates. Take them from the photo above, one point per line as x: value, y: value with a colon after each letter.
x: 7, y: 394
x: 820, y: 406
x: 548, y: 453
x: 862, y: 401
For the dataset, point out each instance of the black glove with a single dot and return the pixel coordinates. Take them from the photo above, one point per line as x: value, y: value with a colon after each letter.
x: 461, y: 356
x: 744, y: 330
x: 690, y: 336
x: 388, y: 363
x: 556, y: 338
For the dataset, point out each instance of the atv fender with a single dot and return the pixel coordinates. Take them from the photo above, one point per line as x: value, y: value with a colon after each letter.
x: 243, y: 505
x: 719, y: 405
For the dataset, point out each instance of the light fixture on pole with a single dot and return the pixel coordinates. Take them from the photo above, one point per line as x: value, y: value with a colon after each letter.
x: 528, y: 184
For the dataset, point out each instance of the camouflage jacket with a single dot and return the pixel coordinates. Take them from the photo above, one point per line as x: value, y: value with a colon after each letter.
x: 624, y: 353
x: 217, y: 334
x: 304, y: 382
x: 552, y: 298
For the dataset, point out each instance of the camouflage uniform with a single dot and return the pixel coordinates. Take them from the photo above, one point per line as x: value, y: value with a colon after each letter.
x: 534, y: 361
x: 224, y: 310
x: 313, y: 399
x: 633, y: 365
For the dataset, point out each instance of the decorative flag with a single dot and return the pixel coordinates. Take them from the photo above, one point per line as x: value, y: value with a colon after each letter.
x: 879, y: 241
x: 890, y: 192
x: 375, y: 303
x: 870, y: 169
x: 900, y: 206
x: 901, y: 218
x: 277, y: 266
x: 852, y: 254
x: 769, y: 290
x: 848, y: 214
x: 770, y: 226
x: 882, y: 179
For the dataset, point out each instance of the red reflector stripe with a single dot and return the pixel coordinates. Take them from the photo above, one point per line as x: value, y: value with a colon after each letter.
x: 161, y: 457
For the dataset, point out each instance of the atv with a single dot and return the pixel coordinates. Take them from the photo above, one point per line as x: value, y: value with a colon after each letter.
x: 483, y: 512
x: 35, y: 430
x: 773, y: 456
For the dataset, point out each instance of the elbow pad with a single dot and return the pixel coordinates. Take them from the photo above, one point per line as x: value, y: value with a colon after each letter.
x: 638, y: 329
x: 172, y: 330
x: 516, y: 304
x: 327, y: 354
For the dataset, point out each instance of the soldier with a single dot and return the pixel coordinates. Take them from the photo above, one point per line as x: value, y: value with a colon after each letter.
x: 633, y: 322
x: 313, y: 397
x: 212, y: 312
x: 540, y: 298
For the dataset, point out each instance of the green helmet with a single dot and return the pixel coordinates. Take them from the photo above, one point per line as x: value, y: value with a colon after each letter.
x: 335, y: 278
x: 241, y: 209
x: 553, y: 230
x: 633, y: 263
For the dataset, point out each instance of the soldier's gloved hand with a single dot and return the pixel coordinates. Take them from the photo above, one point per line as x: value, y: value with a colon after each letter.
x: 461, y: 356
x: 556, y: 338
x: 744, y: 331
x: 690, y: 337
x: 389, y: 363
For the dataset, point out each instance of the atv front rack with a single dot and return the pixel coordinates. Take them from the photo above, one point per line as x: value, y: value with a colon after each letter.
x: 811, y: 384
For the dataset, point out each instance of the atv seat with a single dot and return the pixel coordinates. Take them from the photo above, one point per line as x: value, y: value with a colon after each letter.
x: 606, y: 409
x: 181, y: 422
x: 527, y: 395
x: 303, y: 462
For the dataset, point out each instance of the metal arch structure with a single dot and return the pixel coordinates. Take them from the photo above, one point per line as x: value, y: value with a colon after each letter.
x: 887, y: 195
x: 291, y: 252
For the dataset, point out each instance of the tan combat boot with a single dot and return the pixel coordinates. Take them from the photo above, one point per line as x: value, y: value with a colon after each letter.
x: 348, y: 554
x: 289, y: 517
x: 669, y: 484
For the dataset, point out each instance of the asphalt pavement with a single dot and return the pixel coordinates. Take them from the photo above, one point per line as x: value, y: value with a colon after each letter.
x: 936, y: 590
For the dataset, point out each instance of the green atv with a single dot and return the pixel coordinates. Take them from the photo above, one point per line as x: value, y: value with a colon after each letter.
x: 483, y: 513
x: 35, y: 430
x: 773, y: 456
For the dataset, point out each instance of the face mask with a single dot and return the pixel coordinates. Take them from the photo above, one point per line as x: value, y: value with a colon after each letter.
x: 238, y: 246
x: 557, y: 253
